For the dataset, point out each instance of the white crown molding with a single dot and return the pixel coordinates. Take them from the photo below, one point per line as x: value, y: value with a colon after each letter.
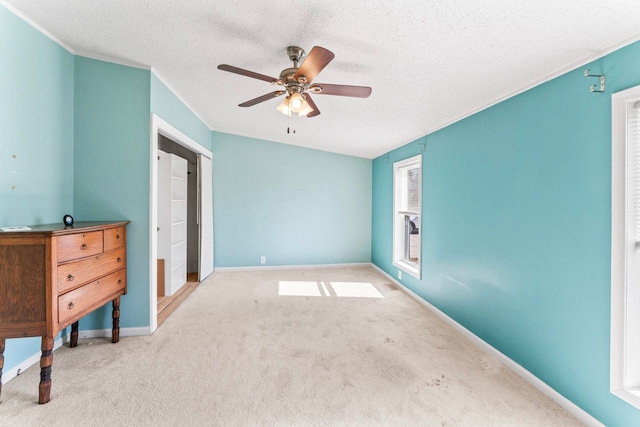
x: 536, y: 382
x: 166, y: 83
x: 104, y: 58
x: 112, y: 60
x: 557, y: 73
x: 66, y: 46
x: 35, y: 25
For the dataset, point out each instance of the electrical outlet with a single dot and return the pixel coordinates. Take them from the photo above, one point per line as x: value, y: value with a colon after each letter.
x: 263, y: 260
x: 400, y: 274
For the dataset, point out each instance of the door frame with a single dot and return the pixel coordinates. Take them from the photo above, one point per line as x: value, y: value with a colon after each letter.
x: 160, y: 126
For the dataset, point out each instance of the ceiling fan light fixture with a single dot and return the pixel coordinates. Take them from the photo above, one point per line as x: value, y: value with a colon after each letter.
x: 306, y: 110
x: 297, y: 103
x: 284, y: 107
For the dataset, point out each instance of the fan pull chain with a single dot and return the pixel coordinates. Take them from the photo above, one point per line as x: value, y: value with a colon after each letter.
x: 289, y: 128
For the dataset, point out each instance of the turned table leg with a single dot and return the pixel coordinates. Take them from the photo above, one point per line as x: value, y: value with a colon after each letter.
x: 74, y: 335
x: 45, y: 370
x: 115, y: 333
x: 1, y: 362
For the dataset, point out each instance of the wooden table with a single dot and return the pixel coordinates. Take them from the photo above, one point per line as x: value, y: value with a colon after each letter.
x: 51, y: 276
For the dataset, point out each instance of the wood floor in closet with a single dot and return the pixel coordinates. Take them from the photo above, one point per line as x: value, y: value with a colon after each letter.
x: 167, y: 305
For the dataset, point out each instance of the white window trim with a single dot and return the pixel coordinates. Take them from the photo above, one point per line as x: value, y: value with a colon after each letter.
x: 621, y: 288
x: 409, y: 268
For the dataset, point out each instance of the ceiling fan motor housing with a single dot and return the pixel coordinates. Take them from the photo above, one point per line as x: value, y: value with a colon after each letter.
x: 288, y: 80
x: 287, y: 76
x: 295, y: 54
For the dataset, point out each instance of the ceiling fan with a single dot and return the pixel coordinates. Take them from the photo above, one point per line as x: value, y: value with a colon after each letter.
x: 297, y: 83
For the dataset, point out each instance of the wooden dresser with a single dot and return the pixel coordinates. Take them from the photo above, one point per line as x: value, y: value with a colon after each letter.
x: 52, y: 275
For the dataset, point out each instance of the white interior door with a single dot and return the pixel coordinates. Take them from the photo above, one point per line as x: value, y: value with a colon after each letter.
x: 172, y: 217
x: 205, y: 217
x: 164, y: 217
x: 178, y: 261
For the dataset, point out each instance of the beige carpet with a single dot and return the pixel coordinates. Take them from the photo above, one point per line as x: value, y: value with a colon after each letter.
x: 236, y: 353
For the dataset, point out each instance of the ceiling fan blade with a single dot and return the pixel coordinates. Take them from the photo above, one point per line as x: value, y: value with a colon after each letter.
x: 315, y: 62
x: 340, y: 90
x: 262, y: 98
x: 236, y: 70
x: 313, y: 105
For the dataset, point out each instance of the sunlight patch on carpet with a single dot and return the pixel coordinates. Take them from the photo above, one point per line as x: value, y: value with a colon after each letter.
x: 355, y: 289
x: 299, y: 289
x: 319, y: 289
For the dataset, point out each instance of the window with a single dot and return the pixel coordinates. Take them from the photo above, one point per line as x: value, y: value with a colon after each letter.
x: 407, y: 207
x: 625, y: 246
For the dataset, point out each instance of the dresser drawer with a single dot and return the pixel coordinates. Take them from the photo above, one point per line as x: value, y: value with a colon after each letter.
x: 81, y: 301
x: 74, y: 274
x: 113, y: 238
x: 79, y: 245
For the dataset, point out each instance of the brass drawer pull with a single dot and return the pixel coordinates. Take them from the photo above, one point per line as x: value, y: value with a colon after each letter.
x: 70, y: 277
x: 70, y: 306
x: 119, y: 281
x: 119, y: 259
x: 83, y: 246
x: 117, y: 236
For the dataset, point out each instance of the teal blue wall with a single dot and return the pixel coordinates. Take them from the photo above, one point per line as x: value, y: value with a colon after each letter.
x: 111, y: 168
x: 168, y: 106
x: 516, y: 211
x: 516, y: 229
x: 80, y: 129
x: 36, y: 118
x: 113, y: 106
x: 294, y: 205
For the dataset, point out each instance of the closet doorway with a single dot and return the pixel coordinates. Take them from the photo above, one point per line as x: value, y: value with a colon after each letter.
x: 181, y: 218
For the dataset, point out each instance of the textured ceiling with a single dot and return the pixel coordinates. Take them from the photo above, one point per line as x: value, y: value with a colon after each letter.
x: 428, y: 62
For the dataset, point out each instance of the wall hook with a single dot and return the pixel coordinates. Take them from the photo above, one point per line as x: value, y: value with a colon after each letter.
x: 594, y: 88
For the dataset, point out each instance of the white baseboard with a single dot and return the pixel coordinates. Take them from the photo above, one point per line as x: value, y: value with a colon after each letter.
x: 97, y: 333
x: 290, y: 267
x: 30, y: 361
x: 106, y: 333
x: 536, y: 382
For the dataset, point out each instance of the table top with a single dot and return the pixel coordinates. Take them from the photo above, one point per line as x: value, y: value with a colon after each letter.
x: 60, y: 229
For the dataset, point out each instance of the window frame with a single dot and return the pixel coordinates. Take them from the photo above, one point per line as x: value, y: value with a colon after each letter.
x: 398, y: 251
x: 625, y: 272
